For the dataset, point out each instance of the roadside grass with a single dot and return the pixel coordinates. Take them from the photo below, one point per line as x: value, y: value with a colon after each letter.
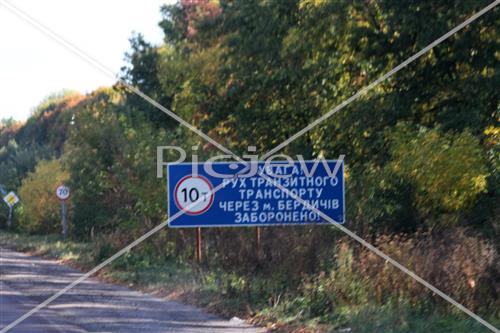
x: 52, y: 246
x: 263, y: 300
x: 391, y: 317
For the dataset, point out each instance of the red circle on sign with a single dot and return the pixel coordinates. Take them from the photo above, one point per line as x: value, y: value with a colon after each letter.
x: 57, y: 192
x: 204, y: 209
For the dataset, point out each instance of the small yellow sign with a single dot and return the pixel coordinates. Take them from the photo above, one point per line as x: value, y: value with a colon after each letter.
x: 11, y: 199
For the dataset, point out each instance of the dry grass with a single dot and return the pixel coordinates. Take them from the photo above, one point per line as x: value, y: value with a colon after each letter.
x: 462, y: 266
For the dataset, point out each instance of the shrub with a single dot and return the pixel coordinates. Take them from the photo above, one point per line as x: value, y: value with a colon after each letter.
x: 448, y: 170
x: 460, y: 265
x: 40, y: 212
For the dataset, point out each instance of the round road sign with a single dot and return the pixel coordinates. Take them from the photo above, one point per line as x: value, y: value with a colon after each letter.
x: 193, y: 194
x: 63, y: 192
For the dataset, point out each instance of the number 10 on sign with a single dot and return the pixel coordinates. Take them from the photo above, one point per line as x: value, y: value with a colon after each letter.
x: 193, y: 194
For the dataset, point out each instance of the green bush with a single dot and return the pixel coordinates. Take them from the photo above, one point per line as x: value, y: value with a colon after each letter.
x: 41, y: 210
x: 449, y: 171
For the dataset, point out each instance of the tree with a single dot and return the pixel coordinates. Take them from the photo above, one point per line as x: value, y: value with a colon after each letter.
x: 40, y: 211
x: 449, y: 171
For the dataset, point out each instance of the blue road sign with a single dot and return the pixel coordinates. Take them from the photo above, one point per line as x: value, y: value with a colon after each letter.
x: 3, y: 192
x: 250, y: 200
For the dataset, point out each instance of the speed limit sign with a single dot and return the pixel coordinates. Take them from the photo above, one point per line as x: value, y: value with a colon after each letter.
x: 193, y: 194
x: 63, y: 192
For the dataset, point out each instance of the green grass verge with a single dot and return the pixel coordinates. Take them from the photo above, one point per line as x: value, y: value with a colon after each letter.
x: 51, y: 246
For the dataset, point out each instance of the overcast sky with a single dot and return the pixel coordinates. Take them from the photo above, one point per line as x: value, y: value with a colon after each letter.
x: 33, y: 66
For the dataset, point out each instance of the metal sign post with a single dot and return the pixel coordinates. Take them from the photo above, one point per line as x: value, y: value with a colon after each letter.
x: 64, y: 219
x: 9, y: 220
x: 63, y: 193
x: 198, y: 246
x: 258, y: 245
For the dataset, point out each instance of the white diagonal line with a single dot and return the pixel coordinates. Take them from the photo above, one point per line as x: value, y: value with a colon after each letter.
x: 105, y: 263
x: 213, y: 191
x: 381, y: 79
x: 382, y: 255
x: 89, y: 59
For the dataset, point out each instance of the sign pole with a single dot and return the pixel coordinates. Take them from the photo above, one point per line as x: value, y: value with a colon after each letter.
x: 63, y: 192
x: 198, y: 245
x: 9, y: 221
x: 64, y: 220
x: 257, y: 243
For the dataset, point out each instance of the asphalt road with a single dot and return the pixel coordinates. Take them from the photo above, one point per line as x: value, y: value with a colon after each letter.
x: 92, y: 306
